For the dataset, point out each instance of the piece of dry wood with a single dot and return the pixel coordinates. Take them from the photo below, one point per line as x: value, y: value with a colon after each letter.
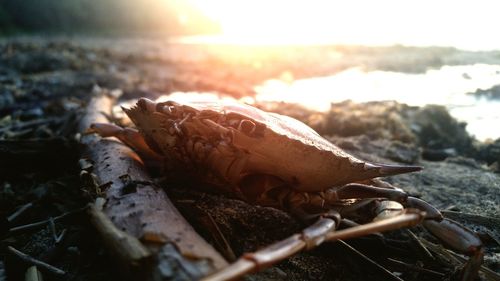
x: 137, y: 206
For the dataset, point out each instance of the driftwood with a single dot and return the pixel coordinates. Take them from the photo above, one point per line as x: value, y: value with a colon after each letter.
x: 139, y: 210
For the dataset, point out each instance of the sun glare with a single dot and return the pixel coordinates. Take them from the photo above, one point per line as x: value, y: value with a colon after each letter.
x: 382, y: 22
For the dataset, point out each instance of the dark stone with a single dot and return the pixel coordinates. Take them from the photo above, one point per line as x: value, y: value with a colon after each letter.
x: 492, y: 93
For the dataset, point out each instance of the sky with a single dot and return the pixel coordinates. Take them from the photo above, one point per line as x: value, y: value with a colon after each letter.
x: 468, y: 25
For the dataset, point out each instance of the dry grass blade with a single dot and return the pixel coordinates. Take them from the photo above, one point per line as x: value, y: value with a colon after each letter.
x: 419, y: 244
x: 416, y: 268
x: 37, y: 225
x: 219, y: 238
x: 472, y: 218
x: 389, y: 275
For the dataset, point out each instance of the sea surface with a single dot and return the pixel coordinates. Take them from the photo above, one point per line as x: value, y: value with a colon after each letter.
x: 450, y: 86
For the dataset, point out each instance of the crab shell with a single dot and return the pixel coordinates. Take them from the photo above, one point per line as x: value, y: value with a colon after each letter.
x: 240, y: 146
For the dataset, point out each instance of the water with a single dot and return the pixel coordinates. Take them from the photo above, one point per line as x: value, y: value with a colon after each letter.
x: 447, y: 86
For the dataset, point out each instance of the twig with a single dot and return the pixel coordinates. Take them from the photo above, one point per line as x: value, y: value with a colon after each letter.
x: 421, y: 246
x: 61, y: 236
x: 19, y: 212
x: 52, y: 226
x: 36, y: 225
x: 31, y: 260
x: 57, y: 238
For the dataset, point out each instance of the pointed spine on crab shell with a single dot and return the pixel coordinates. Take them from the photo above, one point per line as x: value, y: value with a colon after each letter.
x: 384, y: 170
x: 356, y: 170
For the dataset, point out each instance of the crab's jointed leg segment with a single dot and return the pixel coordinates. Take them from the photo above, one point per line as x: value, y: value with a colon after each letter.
x: 322, y: 230
x: 451, y: 233
x: 456, y: 236
x: 461, y: 240
x: 130, y: 137
x: 357, y: 190
x: 430, y: 211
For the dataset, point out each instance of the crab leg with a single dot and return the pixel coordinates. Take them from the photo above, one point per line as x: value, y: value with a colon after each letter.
x: 128, y: 136
x: 363, y: 191
x: 309, y: 238
x: 461, y: 240
x: 357, y: 190
x: 296, y: 201
x: 312, y: 236
x: 457, y: 237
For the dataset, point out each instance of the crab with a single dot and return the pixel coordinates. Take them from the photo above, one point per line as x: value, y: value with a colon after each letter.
x: 274, y: 160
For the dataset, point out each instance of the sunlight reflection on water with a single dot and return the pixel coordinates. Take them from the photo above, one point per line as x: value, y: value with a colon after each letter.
x: 446, y: 86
